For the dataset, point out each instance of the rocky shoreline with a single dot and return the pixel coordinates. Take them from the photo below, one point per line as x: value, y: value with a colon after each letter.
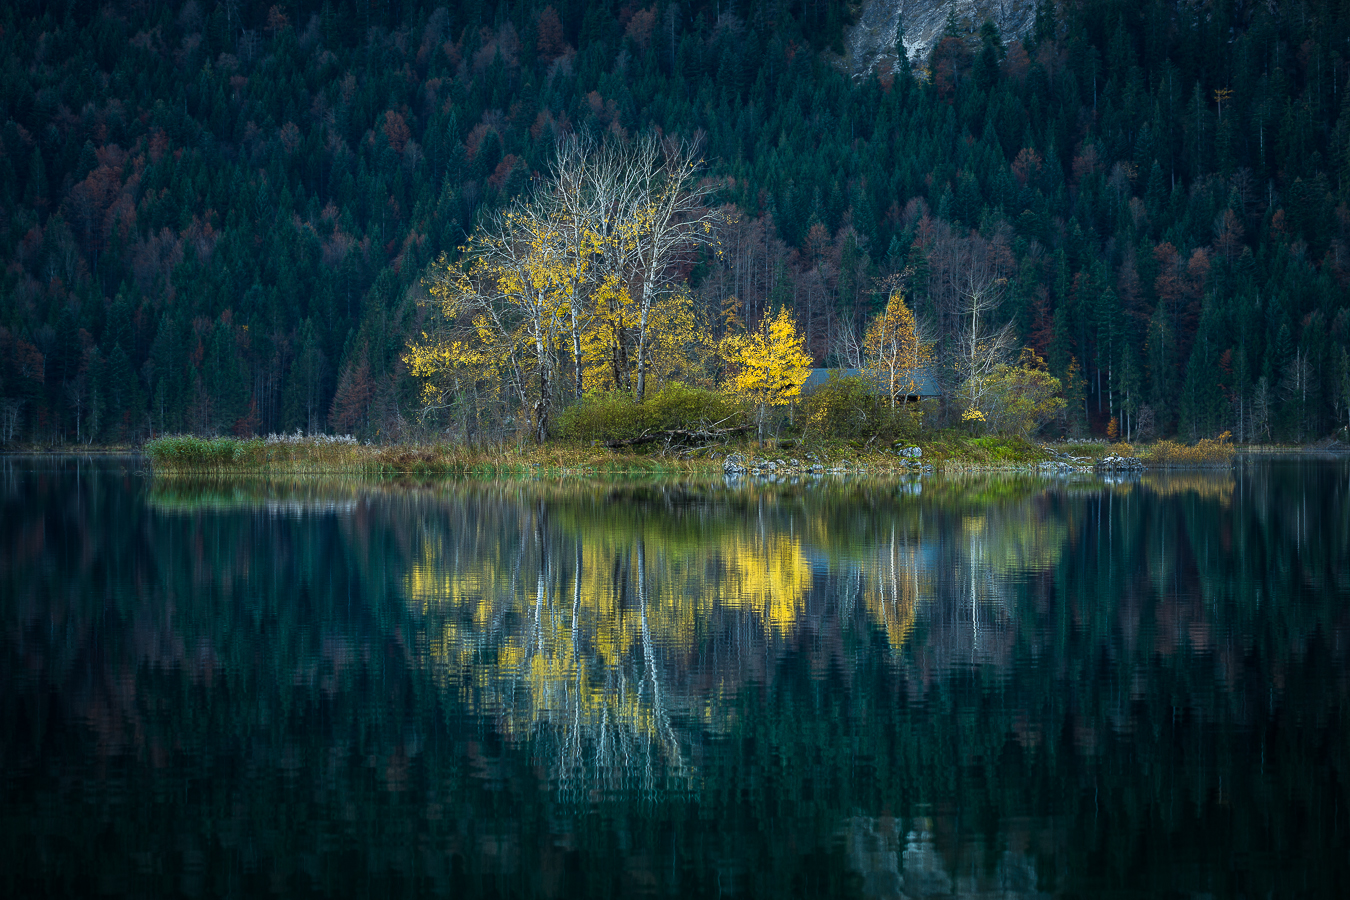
x: 907, y: 460
x: 910, y: 461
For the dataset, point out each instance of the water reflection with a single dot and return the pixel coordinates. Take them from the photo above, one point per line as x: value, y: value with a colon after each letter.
x: 896, y: 858
x: 994, y: 685
x: 609, y: 627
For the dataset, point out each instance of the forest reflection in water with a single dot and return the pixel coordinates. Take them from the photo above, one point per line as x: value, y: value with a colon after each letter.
x: 953, y: 685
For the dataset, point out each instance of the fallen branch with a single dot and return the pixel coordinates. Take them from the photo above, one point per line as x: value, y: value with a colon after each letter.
x: 670, y: 435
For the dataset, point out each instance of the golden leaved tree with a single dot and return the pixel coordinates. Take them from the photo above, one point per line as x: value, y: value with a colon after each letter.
x: 894, y: 354
x: 768, y: 368
x: 680, y: 345
x: 577, y: 287
x: 501, y: 317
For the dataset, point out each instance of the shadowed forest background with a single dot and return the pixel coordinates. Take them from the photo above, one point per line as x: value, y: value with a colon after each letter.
x: 217, y: 217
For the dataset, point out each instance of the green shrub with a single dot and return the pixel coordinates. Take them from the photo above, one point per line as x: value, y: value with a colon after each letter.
x: 678, y: 406
x: 608, y: 416
x: 1019, y: 399
x: 999, y: 449
x: 616, y: 416
x: 849, y: 407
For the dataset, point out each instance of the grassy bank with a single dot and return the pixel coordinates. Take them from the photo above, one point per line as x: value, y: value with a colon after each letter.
x: 1164, y: 454
x: 320, y: 455
x: 185, y: 455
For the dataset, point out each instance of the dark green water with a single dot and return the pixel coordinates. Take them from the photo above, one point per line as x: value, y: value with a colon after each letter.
x: 1005, y: 687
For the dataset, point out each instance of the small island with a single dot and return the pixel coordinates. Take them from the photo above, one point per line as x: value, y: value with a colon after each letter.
x: 789, y: 458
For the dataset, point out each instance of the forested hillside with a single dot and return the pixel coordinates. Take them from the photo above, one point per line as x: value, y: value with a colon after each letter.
x: 217, y: 216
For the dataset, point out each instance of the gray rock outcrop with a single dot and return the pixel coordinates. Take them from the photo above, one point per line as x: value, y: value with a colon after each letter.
x: 871, y: 41
x: 1114, y: 464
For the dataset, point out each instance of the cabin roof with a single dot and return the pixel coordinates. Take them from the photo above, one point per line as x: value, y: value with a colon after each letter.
x: 927, y: 385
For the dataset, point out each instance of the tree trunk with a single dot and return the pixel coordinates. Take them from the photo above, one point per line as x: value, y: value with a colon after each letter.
x: 576, y: 354
x: 646, y: 305
x: 541, y: 405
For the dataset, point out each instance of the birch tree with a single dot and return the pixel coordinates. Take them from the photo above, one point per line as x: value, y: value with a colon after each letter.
x: 668, y: 225
x: 502, y: 314
x: 591, y: 199
x: 981, y: 343
x: 629, y: 217
x: 586, y: 273
x: 893, y: 352
x: 574, y: 206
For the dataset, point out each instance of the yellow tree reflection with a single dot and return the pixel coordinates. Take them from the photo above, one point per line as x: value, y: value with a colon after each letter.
x: 568, y: 643
x: 600, y: 629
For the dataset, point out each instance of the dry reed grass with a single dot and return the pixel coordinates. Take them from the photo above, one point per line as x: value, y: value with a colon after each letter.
x: 1207, y: 452
x: 186, y: 455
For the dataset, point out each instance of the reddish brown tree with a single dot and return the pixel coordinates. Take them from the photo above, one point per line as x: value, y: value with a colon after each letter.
x: 550, y: 43
x: 351, y: 402
x: 396, y: 130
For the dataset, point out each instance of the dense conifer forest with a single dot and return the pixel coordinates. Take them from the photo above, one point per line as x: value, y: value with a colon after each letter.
x: 220, y: 217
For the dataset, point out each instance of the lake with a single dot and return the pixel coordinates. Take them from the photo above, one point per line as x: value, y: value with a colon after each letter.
x: 994, y: 685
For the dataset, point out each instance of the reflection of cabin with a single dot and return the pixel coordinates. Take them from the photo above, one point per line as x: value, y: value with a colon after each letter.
x: 925, y: 384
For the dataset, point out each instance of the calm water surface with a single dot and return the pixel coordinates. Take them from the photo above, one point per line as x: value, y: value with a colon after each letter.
x: 994, y: 686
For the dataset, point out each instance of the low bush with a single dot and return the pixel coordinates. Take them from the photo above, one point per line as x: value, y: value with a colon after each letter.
x: 954, y: 447
x: 608, y: 416
x: 675, y: 410
x: 849, y: 407
x: 680, y: 407
x: 1010, y: 449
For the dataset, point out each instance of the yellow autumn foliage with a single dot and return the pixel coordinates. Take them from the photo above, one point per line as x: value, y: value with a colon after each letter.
x: 577, y: 288
x: 893, y: 353
x: 768, y: 367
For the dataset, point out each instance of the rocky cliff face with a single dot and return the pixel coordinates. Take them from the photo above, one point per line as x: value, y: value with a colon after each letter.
x: 872, y: 41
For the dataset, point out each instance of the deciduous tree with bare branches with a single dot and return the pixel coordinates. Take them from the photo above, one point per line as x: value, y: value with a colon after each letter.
x: 579, y: 274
